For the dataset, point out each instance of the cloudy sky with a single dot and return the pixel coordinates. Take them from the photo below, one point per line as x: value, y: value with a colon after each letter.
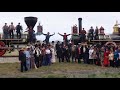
x: 62, y: 21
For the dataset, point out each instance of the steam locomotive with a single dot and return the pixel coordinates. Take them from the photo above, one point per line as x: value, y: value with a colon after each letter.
x: 102, y: 39
x: 6, y: 44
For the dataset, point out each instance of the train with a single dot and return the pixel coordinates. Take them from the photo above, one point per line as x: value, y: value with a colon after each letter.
x: 112, y: 39
x: 8, y: 44
x: 103, y: 39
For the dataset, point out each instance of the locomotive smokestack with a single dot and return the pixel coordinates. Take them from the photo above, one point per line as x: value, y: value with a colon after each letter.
x: 80, y: 24
x: 30, y: 21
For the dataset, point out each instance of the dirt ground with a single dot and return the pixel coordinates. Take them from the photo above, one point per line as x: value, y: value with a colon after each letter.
x: 10, y: 68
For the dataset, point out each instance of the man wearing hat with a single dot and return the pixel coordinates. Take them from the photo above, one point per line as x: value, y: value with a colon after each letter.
x: 28, y: 56
x: 18, y: 30
x: 22, y: 59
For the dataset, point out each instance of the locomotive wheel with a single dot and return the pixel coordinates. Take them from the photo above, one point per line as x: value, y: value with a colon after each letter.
x: 2, y: 51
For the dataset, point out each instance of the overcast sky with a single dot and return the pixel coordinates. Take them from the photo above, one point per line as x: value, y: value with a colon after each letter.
x: 62, y: 21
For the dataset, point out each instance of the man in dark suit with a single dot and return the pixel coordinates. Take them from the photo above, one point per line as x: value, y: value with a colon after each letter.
x: 79, y: 52
x: 85, y: 54
x: 59, y: 52
x: 22, y: 59
x: 57, y: 47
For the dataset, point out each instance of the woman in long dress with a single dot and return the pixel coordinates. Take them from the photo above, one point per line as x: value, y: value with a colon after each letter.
x: 106, y: 58
x: 53, y: 55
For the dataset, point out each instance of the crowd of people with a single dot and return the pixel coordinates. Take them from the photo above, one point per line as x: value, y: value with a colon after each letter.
x: 36, y: 55
x: 42, y: 54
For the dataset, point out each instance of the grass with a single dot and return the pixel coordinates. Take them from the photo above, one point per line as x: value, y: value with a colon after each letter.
x: 59, y: 70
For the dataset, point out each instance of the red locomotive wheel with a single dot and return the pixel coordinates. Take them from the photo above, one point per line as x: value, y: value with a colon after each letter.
x: 2, y: 51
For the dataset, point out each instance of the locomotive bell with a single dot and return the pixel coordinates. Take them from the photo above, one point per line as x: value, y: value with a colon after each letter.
x: 30, y: 21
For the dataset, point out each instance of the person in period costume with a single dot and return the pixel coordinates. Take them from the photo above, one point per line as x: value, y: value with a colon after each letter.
x: 79, y: 52
x: 91, y: 54
x: 37, y: 54
x: 53, y: 55
x: 48, y: 56
x: 32, y: 59
x: 28, y: 56
x: 73, y: 53
x: 11, y: 30
x: 102, y: 50
x: 31, y: 35
x: 47, y: 37
x: 57, y: 47
x: 96, y: 33
x: 5, y: 31
x: 106, y: 58
x: 83, y: 35
x: 98, y: 61
x: 111, y: 58
x: 95, y: 57
x: 18, y: 30
x: 67, y: 54
x: 91, y: 33
x: 85, y: 54
x: 43, y: 55
x: 116, y: 58
x: 119, y: 54
x: 22, y: 59
x: 60, y: 53
x: 65, y: 39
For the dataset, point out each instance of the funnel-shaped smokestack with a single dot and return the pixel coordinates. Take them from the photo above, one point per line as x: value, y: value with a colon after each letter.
x: 30, y: 21
x: 80, y: 24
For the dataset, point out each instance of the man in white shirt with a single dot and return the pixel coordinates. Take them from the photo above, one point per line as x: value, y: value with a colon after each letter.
x: 37, y: 54
x: 11, y: 30
x: 48, y: 53
x: 91, y: 55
